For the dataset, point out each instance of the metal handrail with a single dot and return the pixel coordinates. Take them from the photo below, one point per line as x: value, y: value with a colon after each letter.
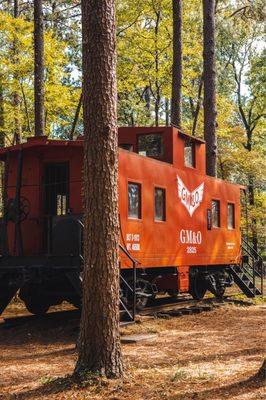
x: 126, y: 252
x: 256, y: 259
x: 251, y: 249
x: 134, y: 263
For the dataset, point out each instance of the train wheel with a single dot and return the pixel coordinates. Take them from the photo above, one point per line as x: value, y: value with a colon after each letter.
x: 144, y: 293
x: 145, y: 288
x: 198, y: 287
x: 38, y: 308
x: 220, y: 292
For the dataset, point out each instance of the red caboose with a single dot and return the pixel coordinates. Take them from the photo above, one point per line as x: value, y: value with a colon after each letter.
x: 180, y: 226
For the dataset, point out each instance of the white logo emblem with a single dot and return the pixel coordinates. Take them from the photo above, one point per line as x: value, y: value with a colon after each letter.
x: 190, y: 200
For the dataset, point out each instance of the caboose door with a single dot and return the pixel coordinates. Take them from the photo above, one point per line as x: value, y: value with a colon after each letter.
x: 55, y: 196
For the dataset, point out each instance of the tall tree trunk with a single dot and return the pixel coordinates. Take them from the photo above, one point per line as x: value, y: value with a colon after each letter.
x: 167, y: 112
x: 176, y: 117
x: 147, y: 98
x: 16, y: 8
x: 38, y: 68
x: 76, y: 118
x: 157, y: 84
x: 209, y: 78
x: 251, y: 198
x: 99, y: 342
x: 197, y: 110
x: 16, y: 98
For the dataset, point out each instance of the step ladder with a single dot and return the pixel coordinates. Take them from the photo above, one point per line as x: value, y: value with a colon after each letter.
x: 250, y: 273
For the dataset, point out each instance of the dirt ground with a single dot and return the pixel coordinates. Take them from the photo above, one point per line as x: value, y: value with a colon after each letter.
x: 212, y: 355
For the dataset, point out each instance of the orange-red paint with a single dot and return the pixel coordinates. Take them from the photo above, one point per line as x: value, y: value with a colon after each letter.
x: 161, y: 243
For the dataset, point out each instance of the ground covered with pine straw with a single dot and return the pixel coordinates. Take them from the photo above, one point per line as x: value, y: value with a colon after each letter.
x: 213, y: 355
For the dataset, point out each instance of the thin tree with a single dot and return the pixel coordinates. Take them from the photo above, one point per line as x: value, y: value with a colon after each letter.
x: 209, y: 79
x: 99, y: 342
x: 176, y: 107
x: 38, y: 68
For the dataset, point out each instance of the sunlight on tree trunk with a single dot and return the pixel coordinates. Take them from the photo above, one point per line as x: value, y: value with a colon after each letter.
x: 209, y: 77
x: 177, y: 64
x: 99, y: 342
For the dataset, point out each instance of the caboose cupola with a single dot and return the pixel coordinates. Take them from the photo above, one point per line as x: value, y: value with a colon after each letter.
x: 166, y: 144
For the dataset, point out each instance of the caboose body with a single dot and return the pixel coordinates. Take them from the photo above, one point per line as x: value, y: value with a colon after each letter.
x: 181, y: 227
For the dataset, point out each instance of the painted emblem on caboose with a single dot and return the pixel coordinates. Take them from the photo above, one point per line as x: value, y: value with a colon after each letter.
x: 191, y: 200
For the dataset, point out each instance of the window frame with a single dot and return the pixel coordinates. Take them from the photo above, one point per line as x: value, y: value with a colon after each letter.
x: 231, y: 203
x: 60, y: 162
x: 193, y: 145
x: 219, y: 213
x: 154, y: 203
x: 139, y: 184
x: 159, y: 157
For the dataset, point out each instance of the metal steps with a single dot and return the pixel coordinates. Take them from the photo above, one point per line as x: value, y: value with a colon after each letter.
x: 249, y: 271
x: 244, y: 281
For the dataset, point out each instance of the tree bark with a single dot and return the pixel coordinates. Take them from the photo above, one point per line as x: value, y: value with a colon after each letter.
x: 252, y: 203
x: 167, y: 112
x: 197, y: 110
x: 16, y: 98
x: 76, y: 118
x: 156, y: 57
x: 38, y: 68
x: 176, y: 117
x: 99, y: 342
x: 209, y: 78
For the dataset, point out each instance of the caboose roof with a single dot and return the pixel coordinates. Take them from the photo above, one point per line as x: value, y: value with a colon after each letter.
x: 44, y: 141
x: 38, y: 142
x: 190, y: 137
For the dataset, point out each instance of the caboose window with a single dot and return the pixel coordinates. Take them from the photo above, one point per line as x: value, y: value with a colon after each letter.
x: 151, y: 145
x: 134, y: 200
x: 189, y: 154
x: 230, y: 216
x: 159, y: 200
x: 56, y: 188
x: 216, y: 213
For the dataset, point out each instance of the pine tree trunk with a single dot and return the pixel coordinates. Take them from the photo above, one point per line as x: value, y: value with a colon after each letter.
x: 167, y: 112
x: 197, y: 110
x: 209, y: 78
x: 76, y: 118
x: 16, y: 98
x: 176, y: 111
x: 38, y: 68
x: 251, y: 197
x: 157, y: 103
x: 99, y: 342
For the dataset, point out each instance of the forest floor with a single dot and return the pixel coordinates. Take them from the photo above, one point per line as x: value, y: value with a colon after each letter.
x: 213, y: 355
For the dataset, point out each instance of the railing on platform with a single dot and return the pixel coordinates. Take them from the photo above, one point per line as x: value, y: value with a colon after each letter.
x: 253, y: 265
x: 132, y: 289
x: 130, y: 311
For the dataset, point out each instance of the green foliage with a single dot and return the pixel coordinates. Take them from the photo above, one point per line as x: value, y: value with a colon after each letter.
x: 144, y: 45
x: 16, y: 58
